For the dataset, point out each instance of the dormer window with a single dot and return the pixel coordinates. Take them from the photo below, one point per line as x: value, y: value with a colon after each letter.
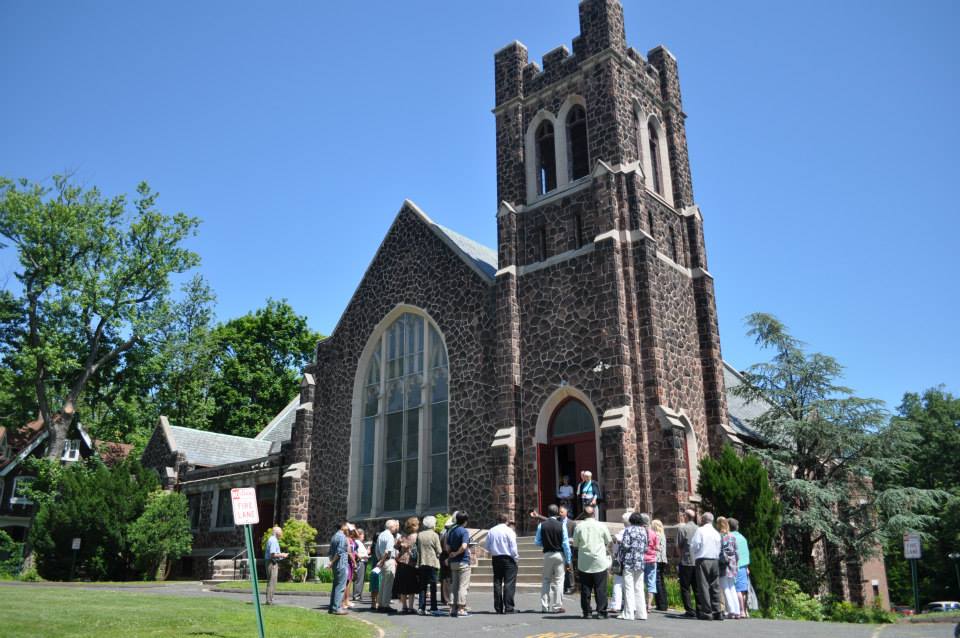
x: 577, y: 155
x: 18, y: 495
x: 546, y: 159
x: 71, y: 450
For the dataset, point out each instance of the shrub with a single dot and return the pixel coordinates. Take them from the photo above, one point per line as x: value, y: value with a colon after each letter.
x: 674, y: 599
x: 298, y: 539
x: 161, y: 534
x: 442, y: 520
x: 324, y: 575
x: 10, y: 555
x: 96, y: 504
x: 789, y: 601
x: 843, y: 611
x: 737, y: 486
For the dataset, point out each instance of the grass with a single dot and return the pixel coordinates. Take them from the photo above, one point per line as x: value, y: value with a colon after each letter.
x: 244, y: 585
x: 939, y: 616
x: 48, y: 612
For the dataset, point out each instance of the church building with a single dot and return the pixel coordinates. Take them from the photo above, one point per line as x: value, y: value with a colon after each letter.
x: 461, y: 377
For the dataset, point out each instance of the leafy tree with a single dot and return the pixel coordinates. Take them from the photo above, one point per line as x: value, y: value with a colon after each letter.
x: 93, y: 281
x: 297, y: 540
x: 168, y: 372
x: 824, y: 446
x: 97, y: 504
x: 739, y: 487
x: 161, y: 534
x: 258, y: 363
x: 932, y: 421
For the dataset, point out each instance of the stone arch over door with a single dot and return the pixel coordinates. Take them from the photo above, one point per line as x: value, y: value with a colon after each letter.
x: 551, y: 451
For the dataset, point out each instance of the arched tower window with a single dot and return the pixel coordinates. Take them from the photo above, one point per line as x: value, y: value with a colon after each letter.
x: 637, y: 137
x: 400, y: 458
x: 577, y: 154
x: 673, y: 246
x: 546, y: 159
x: 653, y: 140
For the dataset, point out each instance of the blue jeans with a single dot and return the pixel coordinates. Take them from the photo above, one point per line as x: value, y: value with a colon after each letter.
x: 339, y: 583
x: 650, y: 575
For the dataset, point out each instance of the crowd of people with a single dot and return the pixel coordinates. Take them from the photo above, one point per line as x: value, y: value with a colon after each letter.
x: 417, y: 561
x: 408, y: 562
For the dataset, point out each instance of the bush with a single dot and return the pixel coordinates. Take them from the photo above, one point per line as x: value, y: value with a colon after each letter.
x: 324, y: 575
x: 442, y: 519
x: 30, y: 576
x: 161, y: 534
x: 674, y: 599
x: 789, y: 601
x: 10, y: 555
x: 843, y: 611
x: 96, y: 504
x: 298, y: 539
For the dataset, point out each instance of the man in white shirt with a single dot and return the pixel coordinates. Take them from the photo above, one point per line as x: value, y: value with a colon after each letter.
x: 502, y: 545
x: 387, y: 553
x: 705, y: 547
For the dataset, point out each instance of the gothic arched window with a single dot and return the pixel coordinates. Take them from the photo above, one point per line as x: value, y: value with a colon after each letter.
x: 401, y: 451
x: 653, y: 141
x: 577, y: 154
x: 546, y: 159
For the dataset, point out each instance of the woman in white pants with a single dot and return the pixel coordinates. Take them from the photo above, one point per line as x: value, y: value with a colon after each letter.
x: 632, y: 547
x: 616, y: 601
x: 728, y: 573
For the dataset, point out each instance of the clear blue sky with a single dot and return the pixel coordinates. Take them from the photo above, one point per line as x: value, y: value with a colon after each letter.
x: 823, y: 138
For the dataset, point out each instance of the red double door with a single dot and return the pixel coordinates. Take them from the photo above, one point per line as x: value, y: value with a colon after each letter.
x: 565, y: 456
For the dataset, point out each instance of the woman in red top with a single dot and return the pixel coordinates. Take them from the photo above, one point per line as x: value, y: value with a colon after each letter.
x: 650, y: 559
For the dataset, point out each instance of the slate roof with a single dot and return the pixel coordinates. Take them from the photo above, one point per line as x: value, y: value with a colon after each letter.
x: 212, y: 448
x: 278, y: 430
x: 739, y: 412
x: 485, y: 258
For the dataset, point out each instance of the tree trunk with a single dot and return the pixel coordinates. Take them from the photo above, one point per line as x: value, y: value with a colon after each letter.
x: 58, y: 427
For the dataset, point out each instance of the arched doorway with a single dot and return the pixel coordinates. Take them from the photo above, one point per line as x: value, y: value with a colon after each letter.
x: 571, y: 448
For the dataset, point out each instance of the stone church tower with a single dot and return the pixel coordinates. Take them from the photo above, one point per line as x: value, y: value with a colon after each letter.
x: 603, y: 297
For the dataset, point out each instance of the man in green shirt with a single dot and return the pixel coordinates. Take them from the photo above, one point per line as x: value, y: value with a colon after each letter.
x: 592, y: 538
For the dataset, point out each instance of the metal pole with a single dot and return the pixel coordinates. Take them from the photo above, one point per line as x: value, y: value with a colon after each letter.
x: 73, y: 564
x: 252, y: 563
x: 916, y: 588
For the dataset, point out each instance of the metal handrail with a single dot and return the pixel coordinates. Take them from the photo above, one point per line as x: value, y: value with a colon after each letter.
x: 234, y: 559
x: 212, y: 558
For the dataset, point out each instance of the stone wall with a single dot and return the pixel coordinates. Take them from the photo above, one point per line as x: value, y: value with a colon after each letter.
x: 412, y: 267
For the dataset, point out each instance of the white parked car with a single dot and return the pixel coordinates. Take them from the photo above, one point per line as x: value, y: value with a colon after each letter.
x: 941, y: 605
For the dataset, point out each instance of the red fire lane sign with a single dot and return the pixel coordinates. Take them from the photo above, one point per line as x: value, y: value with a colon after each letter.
x: 244, y: 501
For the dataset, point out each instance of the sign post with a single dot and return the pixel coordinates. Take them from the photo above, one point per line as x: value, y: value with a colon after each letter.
x: 75, y: 546
x: 912, y: 550
x: 244, y: 500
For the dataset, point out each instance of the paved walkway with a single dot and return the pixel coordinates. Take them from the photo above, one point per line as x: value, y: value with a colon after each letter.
x: 529, y: 623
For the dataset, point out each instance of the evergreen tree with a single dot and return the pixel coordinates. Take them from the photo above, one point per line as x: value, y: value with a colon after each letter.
x: 96, y: 504
x: 161, y: 534
x: 823, y: 448
x: 739, y: 487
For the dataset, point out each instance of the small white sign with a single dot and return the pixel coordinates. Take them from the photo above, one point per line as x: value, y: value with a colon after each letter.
x: 244, y: 506
x: 911, y: 546
x: 76, y: 544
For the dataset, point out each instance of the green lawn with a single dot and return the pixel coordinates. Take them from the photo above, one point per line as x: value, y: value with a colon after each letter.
x: 244, y: 585
x: 48, y: 612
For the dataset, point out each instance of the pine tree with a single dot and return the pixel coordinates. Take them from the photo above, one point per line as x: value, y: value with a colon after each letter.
x: 739, y: 487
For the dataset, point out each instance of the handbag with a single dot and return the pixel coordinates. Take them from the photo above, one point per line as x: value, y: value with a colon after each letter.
x: 616, y: 567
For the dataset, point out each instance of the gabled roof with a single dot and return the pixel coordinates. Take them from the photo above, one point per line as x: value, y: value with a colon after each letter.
x: 208, y: 449
x: 482, y: 257
x: 278, y: 430
x: 740, y: 412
